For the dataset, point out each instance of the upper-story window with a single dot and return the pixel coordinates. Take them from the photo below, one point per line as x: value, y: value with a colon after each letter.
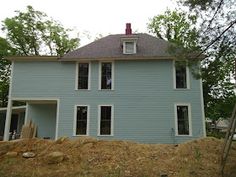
x: 129, y: 47
x: 181, y: 75
x: 106, y: 76
x: 83, y: 76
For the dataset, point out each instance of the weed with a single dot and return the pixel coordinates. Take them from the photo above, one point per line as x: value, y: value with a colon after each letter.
x: 197, y: 153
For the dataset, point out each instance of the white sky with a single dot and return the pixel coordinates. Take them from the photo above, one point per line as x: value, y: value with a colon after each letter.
x: 93, y: 17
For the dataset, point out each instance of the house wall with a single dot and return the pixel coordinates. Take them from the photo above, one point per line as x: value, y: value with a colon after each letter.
x: 44, y: 116
x: 143, y: 98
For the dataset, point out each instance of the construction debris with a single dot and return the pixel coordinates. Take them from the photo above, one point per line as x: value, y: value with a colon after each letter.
x: 29, y: 130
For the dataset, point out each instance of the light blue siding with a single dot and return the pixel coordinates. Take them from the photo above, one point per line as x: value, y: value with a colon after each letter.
x: 143, y: 97
x: 44, y: 116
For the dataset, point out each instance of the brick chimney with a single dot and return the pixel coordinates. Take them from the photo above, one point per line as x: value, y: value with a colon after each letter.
x: 128, y: 30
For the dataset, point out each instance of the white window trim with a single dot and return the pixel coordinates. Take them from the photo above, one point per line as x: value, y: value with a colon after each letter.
x: 112, y: 75
x: 77, y: 74
x: 75, y: 120
x: 189, y: 118
x: 187, y: 78
x: 112, y: 119
x: 124, y: 47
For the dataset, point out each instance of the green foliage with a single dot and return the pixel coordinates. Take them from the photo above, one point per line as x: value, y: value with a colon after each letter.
x: 203, y: 4
x: 217, y: 38
x: 5, y: 49
x: 176, y: 27
x: 216, y: 134
x: 179, y: 29
x: 33, y: 33
x: 213, y: 33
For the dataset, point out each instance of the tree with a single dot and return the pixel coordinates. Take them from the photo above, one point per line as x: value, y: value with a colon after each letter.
x: 5, y: 49
x: 183, y: 30
x: 176, y: 27
x: 218, y: 36
x: 31, y: 33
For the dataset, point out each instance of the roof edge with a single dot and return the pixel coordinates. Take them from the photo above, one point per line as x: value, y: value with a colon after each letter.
x: 119, y: 58
x: 32, y: 58
x: 126, y: 58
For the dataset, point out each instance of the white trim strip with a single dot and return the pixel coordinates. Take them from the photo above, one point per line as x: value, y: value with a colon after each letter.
x: 9, y: 107
x: 13, y: 108
x: 26, y: 112
x: 34, y: 98
x: 57, y: 119
x: 202, y: 107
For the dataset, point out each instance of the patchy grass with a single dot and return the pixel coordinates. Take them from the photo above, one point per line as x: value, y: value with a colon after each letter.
x: 87, y: 157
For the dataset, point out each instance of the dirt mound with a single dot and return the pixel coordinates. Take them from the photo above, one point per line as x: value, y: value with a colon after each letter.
x: 98, y: 158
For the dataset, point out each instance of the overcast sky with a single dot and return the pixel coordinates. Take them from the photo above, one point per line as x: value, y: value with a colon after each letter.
x: 93, y: 17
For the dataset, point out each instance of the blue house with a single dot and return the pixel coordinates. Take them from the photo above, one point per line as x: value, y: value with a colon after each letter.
x: 123, y: 86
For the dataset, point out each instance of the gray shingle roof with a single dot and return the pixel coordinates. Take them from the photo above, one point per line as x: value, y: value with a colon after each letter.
x: 110, y: 47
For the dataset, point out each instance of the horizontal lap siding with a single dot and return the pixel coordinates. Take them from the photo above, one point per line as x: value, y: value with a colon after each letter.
x: 44, y: 116
x: 143, y: 98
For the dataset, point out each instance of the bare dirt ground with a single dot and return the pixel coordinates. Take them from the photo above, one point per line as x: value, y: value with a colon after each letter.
x: 87, y: 157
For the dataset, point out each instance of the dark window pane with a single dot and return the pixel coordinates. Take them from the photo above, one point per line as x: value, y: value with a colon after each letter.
x: 81, y: 127
x: 105, y: 112
x: 183, y: 120
x: 181, y: 75
x: 105, y: 128
x: 105, y: 122
x: 106, y: 76
x: 83, y: 76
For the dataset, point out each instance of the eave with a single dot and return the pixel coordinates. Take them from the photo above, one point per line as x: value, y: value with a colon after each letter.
x: 32, y: 58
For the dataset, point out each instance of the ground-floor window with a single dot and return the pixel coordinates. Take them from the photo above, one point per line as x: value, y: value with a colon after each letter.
x: 105, y: 120
x: 81, y: 120
x: 183, y: 119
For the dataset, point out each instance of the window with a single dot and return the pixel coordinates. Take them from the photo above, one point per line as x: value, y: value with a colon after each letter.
x: 106, y: 76
x: 83, y: 76
x: 181, y: 75
x: 81, y: 120
x: 129, y: 47
x: 106, y: 120
x: 183, y: 119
